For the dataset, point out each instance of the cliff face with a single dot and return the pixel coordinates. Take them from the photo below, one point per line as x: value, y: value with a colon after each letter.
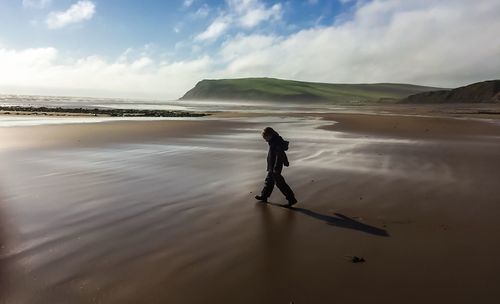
x: 481, y: 92
x: 270, y: 89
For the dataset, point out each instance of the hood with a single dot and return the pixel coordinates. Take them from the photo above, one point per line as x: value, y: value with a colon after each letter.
x: 279, y: 141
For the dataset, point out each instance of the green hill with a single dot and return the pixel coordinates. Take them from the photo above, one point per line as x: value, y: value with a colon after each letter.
x: 480, y: 92
x: 271, y: 89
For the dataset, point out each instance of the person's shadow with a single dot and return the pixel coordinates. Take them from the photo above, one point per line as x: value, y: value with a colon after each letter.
x: 339, y: 220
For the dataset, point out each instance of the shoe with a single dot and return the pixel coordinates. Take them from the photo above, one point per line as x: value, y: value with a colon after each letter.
x: 261, y: 198
x: 292, y: 202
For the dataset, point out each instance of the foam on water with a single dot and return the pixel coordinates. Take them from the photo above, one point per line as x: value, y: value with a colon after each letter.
x: 23, y: 121
x: 114, y: 103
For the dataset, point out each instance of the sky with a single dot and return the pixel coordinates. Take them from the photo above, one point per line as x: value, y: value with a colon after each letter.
x: 154, y: 49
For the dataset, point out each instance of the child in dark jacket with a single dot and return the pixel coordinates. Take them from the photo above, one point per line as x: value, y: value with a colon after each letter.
x: 276, y: 159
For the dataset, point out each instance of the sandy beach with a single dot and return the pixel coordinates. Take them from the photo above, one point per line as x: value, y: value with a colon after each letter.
x: 163, y: 211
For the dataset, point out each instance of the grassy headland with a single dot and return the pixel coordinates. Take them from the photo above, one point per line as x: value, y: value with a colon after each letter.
x: 271, y: 89
x: 480, y: 92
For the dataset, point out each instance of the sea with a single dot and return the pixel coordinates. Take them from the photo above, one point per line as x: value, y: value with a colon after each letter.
x: 206, y: 106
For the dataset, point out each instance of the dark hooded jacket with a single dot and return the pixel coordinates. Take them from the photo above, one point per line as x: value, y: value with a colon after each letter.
x: 276, y: 156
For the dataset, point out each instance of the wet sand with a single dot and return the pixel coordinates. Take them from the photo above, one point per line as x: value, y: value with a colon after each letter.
x: 411, y: 126
x: 163, y: 212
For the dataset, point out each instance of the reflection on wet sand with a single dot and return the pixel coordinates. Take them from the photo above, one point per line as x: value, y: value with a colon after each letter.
x: 158, y: 214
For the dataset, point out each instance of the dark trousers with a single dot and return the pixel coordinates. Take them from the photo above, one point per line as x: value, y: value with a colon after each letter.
x: 273, y: 178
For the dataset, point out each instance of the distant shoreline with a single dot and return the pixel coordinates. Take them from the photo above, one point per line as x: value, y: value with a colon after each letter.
x: 60, y: 111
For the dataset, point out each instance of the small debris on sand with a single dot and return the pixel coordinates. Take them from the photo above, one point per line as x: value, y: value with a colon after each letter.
x: 356, y: 259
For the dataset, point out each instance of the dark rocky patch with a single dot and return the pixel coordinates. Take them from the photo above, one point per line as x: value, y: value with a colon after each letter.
x: 101, y: 112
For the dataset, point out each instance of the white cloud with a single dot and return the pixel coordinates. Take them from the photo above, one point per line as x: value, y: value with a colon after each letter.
x: 241, y: 13
x: 251, y: 13
x: 187, y: 3
x: 242, y: 45
x: 202, y: 11
x: 446, y: 43
x: 38, y: 4
x: 78, y: 12
x: 215, y: 29
x: 43, y: 70
x: 253, y: 17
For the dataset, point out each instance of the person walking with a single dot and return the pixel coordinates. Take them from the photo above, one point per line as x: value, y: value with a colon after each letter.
x: 276, y: 159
